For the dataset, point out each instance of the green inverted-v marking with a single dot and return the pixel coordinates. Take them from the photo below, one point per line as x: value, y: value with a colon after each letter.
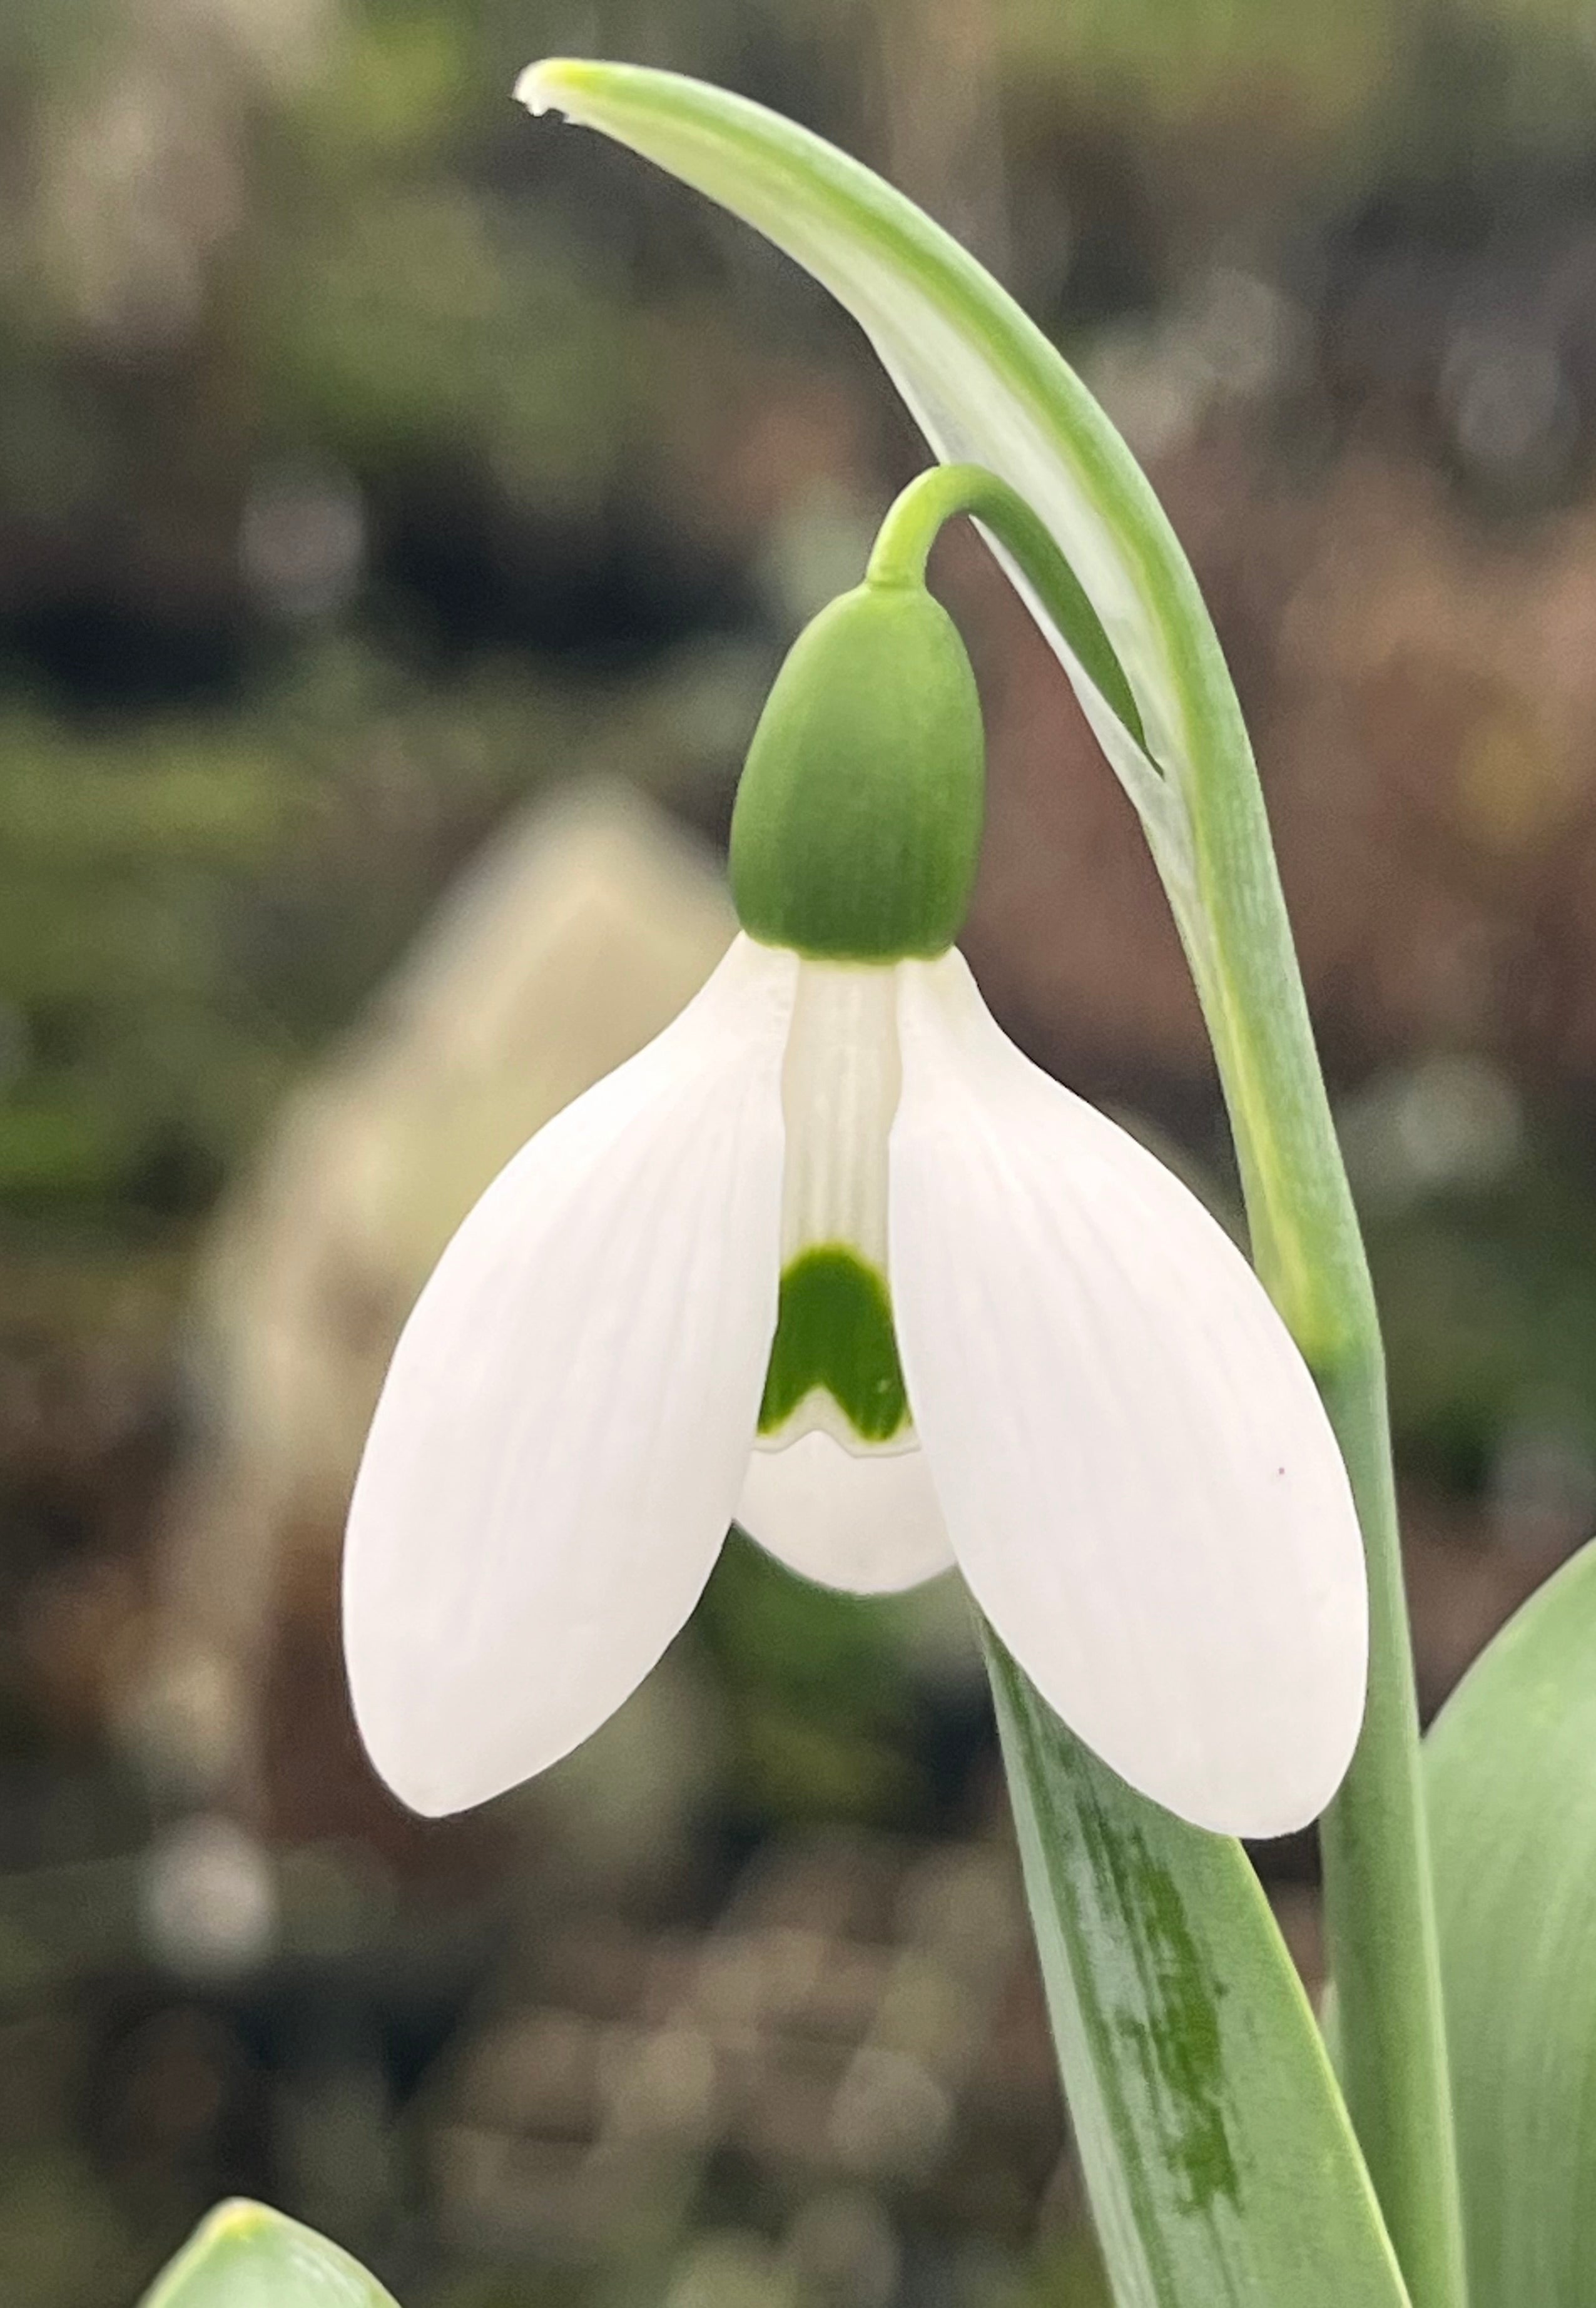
x: 834, y: 1330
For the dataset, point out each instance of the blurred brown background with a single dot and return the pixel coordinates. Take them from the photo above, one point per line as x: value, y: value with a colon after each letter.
x: 403, y: 507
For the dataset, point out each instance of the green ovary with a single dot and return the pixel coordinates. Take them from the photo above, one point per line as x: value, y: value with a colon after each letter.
x: 834, y: 1330
x: 857, y: 821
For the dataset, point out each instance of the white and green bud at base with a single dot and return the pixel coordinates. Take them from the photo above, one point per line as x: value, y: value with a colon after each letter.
x: 857, y: 824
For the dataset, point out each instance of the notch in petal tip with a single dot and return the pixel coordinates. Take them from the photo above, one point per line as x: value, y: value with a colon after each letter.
x: 546, y: 86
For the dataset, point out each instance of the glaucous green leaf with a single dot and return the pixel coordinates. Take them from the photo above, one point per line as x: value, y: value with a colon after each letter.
x: 1512, y: 1769
x: 1219, y: 2157
x: 245, y: 2255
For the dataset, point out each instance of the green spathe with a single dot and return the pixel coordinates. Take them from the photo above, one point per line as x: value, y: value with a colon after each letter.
x: 859, y: 818
x: 834, y: 1330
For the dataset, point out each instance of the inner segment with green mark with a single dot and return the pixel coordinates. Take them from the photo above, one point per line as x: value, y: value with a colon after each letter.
x: 834, y: 1331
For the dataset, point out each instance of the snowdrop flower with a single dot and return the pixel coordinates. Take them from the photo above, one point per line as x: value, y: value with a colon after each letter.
x: 831, y: 1257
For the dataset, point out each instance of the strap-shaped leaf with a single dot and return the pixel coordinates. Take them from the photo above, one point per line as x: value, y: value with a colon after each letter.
x: 1512, y: 1769
x: 1218, y: 2155
x: 245, y: 2255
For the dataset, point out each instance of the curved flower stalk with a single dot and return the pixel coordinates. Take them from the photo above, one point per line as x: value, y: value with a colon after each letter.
x: 832, y: 1257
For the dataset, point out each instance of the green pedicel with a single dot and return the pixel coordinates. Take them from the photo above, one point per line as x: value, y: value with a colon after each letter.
x: 834, y: 1330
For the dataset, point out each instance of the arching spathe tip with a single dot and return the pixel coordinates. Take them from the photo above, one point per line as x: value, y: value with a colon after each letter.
x: 552, y: 84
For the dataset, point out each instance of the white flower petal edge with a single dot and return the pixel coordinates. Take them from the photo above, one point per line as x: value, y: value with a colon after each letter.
x: 864, y: 1521
x: 1141, y: 1483
x: 567, y: 1421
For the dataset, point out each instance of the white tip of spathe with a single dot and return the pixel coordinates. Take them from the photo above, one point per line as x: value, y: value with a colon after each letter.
x: 540, y: 87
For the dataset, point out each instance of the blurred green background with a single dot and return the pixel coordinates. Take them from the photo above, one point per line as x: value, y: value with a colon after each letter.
x: 394, y: 490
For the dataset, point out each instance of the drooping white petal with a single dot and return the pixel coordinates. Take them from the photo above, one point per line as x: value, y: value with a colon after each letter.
x: 1140, y: 1481
x: 864, y: 1521
x: 565, y: 1429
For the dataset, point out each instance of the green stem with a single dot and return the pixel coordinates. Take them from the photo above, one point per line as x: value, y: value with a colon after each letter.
x: 934, y: 497
x: 1379, y: 1899
x: 1212, y: 842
